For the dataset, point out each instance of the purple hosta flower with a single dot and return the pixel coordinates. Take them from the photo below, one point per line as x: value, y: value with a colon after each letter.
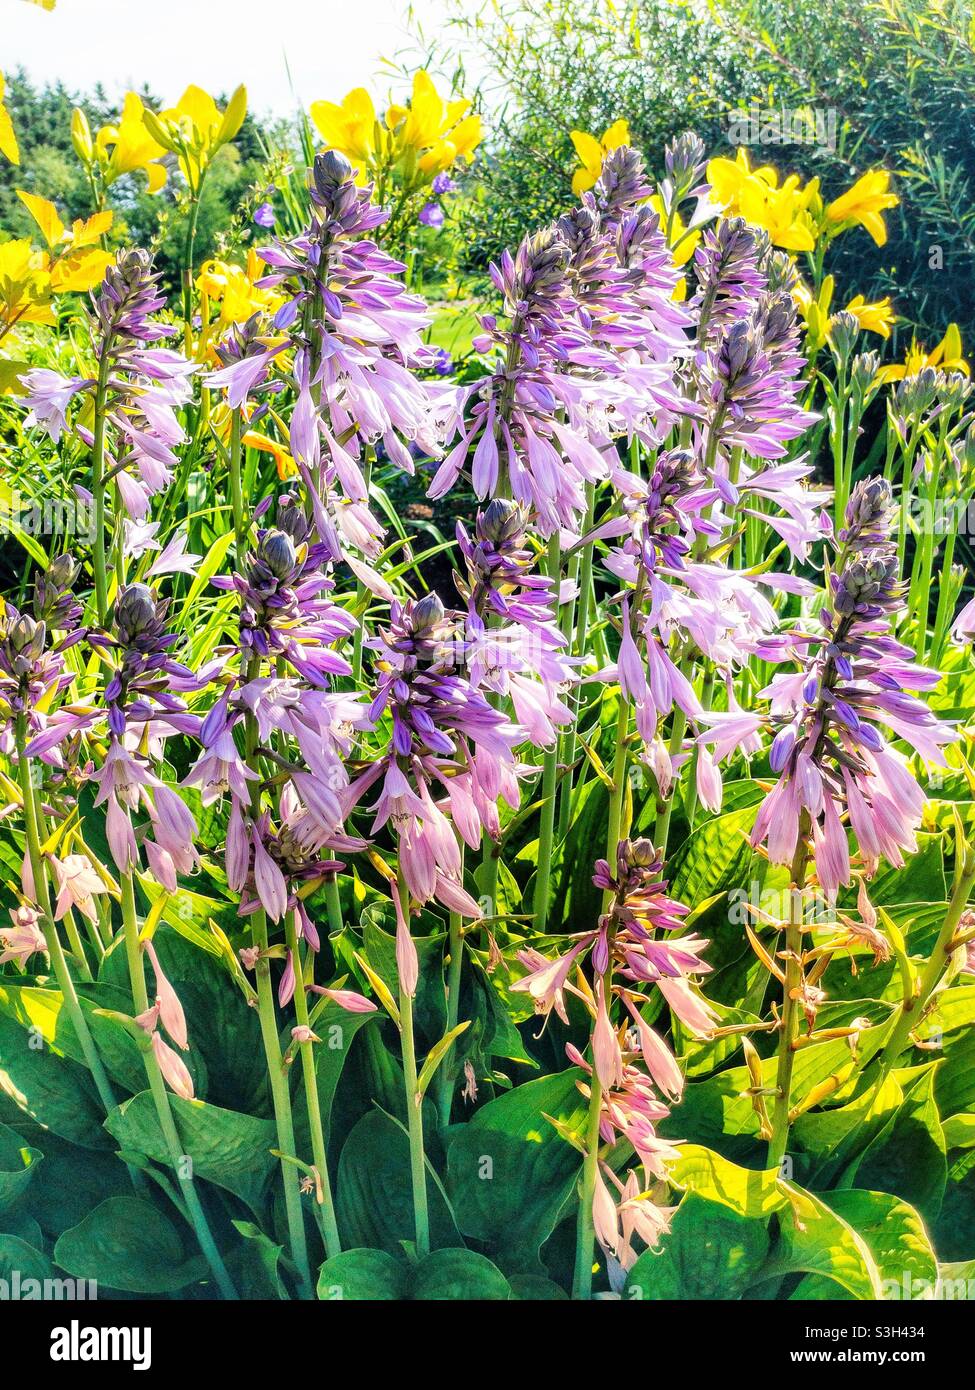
x: 442, y: 363
x: 78, y: 884
x: 751, y: 400
x: 48, y: 396
x: 264, y: 215
x: 529, y: 420
x: 247, y: 354
x: 443, y: 183
x: 628, y: 310
x: 728, y: 269
x: 32, y: 666
x: 432, y: 215
x: 515, y: 647
x: 365, y: 327
x: 444, y: 735
x: 23, y: 938
x: 681, y: 602
x: 830, y: 752
x: 285, y: 612
x: 637, y: 1073
x: 144, y: 708
x: 145, y: 385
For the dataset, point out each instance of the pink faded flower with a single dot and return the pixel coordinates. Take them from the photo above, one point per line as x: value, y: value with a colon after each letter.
x: 170, y: 1009
x: 24, y: 939
x: 78, y: 883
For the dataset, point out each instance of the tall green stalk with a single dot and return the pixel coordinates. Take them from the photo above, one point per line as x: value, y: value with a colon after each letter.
x: 789, y: 1025
x: 330, y: 1230
x: 52, y: 941
x: 160, y: 1096
x: 585, y: 1231
x: 280, y: 1094
x: 98, y: 487
x: 414, y: 1105
x: 550, y: 772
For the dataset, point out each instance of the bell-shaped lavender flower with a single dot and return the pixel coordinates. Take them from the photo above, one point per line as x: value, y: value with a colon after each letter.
x: 830, y: 751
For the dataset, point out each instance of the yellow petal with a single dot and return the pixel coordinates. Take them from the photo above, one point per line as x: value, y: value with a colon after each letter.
x: 589, y: 150
x: 618, y: 134
x: 45, y: 214
x: 8, y: 140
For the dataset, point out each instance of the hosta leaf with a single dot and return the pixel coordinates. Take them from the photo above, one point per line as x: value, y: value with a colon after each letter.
x: 374, y: 1200
x: 126, y: 1243
x: 369, y: 1275
x: 226, y: 1147
x: 19, y: 1164
x: 710, y: 1252
x: 459, y: 1274
x: 51, y: 1089
x: 509, y: 1173
x: 19, y: 1260
x: 908, y: 1157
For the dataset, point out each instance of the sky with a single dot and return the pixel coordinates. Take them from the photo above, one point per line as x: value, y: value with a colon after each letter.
x: 329, y: 45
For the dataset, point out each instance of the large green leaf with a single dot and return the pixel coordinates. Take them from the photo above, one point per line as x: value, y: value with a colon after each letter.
x: 509, y: 1173
x: 907, y: 1158
x: 374, y: 1200
x: 226, y: 1147
x: 51, y: 1089
x: 19, y: 1260
x: 710, y: 1252
x: 18, y: 1165
x: 810, y: 1237
x: 126, y: 1243
x: 896, y: 1238
x: 458, y: 1275
x: 364, y: 1275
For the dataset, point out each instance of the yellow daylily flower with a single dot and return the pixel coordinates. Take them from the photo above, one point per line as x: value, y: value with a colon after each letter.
x: 592, y: 152
x: 423, y: 136
x: 233, y: 288
x: 195, y: 129
x: 728, y: 179
x: 30, y: 279
x: 25, y: 285
x: 863, y: 204
x: 946, y: 355
x: 8, y: 140
x: 875, y: 318
x: 350, y: 127
x: 124, y: 148
x: 285, y: 464
x: 782, y: 210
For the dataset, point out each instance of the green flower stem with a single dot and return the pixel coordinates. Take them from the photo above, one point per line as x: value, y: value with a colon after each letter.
x: 236, y: 485
x: 789, y: 1029
x: 447, y: 1075
x: 360, y: 588
x: 414, y: 1106
x: 280, y: 1094
x: 330, y: 1230
x: 98, y: 489
x: 333, y: 904
x: 920, y: 595
x: 550, y: 773
x: 54, y: 949
x: 160, y: 1096
x: 585, y: 1233
x: 186, y: 274
x: 579, y: 618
